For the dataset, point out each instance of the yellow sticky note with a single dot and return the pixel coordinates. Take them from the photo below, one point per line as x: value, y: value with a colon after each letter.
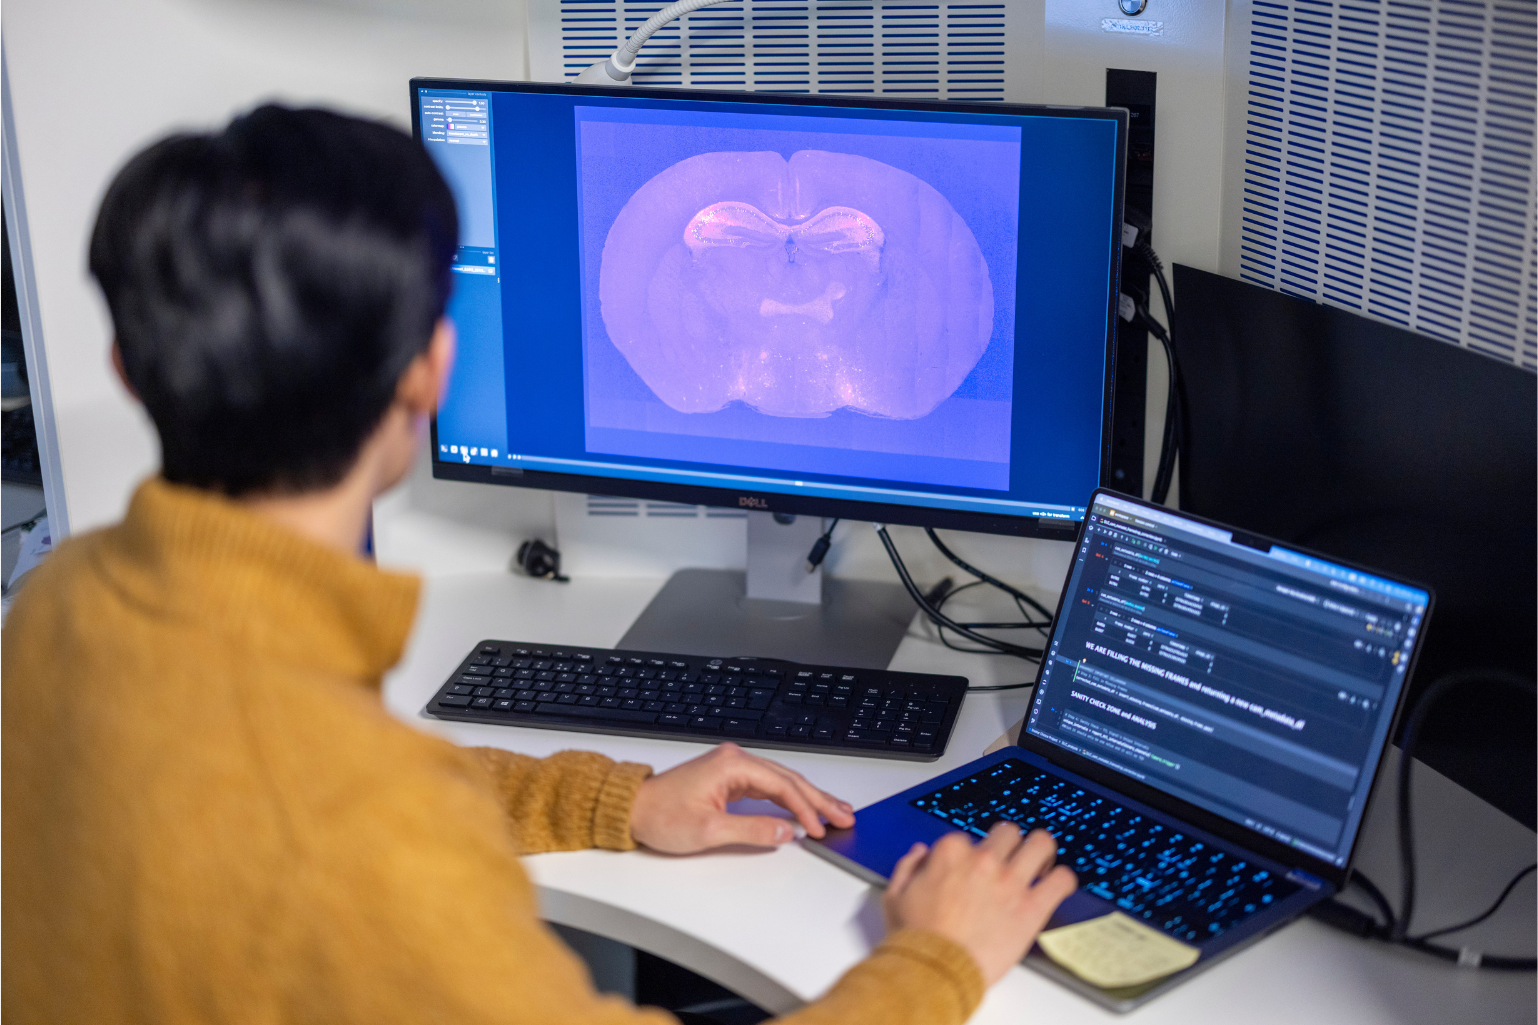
x: 1115, y: 951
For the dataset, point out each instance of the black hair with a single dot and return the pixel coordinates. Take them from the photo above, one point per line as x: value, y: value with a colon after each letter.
x: 269, y: 285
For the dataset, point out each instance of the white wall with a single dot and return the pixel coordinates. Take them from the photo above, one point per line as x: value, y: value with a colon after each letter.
x: 94, y: 80
x: 1187, y: 55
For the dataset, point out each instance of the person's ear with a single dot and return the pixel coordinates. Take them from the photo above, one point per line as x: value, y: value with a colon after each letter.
x: 122, y: 371
x: 427, y: 377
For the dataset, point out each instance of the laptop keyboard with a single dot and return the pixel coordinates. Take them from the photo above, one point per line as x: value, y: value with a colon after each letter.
x: 754, y: 701
x: 1190, y: 889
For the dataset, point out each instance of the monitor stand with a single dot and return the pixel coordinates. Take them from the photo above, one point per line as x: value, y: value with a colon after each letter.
x: 776, y: 609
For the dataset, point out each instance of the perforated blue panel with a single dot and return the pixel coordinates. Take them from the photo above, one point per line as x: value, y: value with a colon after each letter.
x: 1388, y: 163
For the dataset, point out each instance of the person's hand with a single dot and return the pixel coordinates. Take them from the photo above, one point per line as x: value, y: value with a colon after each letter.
x: 683, y: 810
x: 992, y: 897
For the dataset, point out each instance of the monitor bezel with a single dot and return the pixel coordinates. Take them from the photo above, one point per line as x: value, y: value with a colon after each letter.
x: 1226, y: 828
x: 1055, y: 528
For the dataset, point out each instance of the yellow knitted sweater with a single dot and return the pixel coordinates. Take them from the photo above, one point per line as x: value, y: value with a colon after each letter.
x: 209, y: 817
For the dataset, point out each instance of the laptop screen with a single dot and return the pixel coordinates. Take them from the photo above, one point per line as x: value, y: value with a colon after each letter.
x: 1257, y: 684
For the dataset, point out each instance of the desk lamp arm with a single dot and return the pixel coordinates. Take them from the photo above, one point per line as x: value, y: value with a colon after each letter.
x: 616, y: 68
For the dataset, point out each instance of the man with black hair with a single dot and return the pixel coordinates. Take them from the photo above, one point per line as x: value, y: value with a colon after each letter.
x: 208, y: 815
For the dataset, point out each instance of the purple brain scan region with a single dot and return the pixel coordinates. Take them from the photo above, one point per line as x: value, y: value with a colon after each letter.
x: 799, y: 307
x: 747, y: 277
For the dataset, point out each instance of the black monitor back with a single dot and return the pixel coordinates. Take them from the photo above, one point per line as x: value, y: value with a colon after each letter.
x: 1388, y: 448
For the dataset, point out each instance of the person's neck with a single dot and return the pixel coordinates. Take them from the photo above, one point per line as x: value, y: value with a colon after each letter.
x: 336, y: 517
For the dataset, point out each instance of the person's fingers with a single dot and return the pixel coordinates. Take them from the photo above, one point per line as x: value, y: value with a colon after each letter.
x: 840, y: 813
x: 1057, y: 884
x: 763, y: 782
x: 1002, y: 840
x: 757, y: 830
x: 950, y: 849
x: 906, y: 867
x: 1033, y: 857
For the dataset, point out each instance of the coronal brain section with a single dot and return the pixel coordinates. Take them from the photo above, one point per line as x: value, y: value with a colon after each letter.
x: 799, y: 287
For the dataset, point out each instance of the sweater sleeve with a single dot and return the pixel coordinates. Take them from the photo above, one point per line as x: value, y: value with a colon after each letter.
x: 567, y: 802
x: 416, y: 909
x: 913, y: 978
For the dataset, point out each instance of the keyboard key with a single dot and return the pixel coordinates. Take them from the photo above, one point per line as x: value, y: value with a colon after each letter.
x: 617, y: 714
x: 741, y: 698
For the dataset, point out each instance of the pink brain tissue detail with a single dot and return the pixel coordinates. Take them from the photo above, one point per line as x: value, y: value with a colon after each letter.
x: 798, y: 287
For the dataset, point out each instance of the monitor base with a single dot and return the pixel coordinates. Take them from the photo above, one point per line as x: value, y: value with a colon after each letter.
x: 859, y: 623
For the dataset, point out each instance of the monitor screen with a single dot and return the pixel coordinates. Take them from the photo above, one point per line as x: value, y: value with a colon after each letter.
x: 799, y: 304
x: 1258, y: 683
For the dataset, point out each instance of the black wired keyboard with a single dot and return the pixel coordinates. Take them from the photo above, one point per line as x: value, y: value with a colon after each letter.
x: 1150, y: 871
x: 756, y: 702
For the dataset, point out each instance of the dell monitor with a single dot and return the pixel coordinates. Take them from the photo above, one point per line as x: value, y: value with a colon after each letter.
x: 898, y: 311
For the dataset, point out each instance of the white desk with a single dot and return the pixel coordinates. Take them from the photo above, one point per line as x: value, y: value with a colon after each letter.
x: 779, y: 927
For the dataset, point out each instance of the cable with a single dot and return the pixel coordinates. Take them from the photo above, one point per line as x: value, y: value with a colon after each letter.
x: 938, y: 617
x: 1407, y: 745
x: 1173, y: 410
x: 1019, y: 595
x: 616, y: 69
x: 1395, y: 928
x: 820, y: 548
x: 941, y: 593
x: 1170, y: 442
x: 1487, y: 912
x: 24, y: 524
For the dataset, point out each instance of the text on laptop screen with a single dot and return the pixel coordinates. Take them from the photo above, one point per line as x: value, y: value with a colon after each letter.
x: 1259, y: 685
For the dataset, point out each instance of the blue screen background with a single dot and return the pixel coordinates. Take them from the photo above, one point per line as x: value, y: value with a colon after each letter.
x: 1060, y: 310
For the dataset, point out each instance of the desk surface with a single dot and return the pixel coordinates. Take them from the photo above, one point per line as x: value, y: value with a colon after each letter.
x: 779, y: 927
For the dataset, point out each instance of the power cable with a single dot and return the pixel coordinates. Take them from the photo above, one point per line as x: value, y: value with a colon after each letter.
x: 941, y: 619
x: 1396, y: 928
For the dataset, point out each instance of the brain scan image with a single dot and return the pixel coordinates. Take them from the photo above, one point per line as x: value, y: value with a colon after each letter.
x: 799, y: 287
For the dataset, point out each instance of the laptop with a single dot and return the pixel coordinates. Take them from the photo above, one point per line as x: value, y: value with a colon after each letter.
x: 1207, y: 725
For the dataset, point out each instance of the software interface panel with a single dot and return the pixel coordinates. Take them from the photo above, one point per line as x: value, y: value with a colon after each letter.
x: 902, y: 306
x: 1259, y: 685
